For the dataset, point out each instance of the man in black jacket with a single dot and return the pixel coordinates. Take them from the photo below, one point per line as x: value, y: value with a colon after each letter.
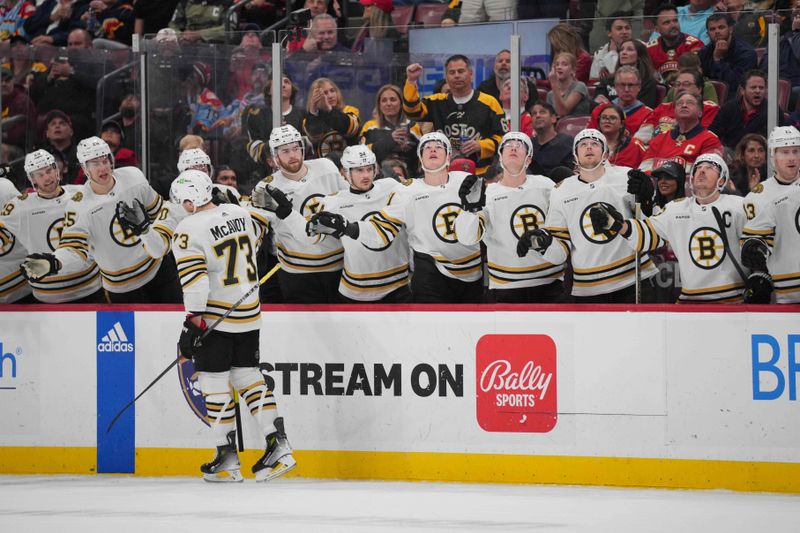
x: 726, y: 58
x: 502, y: 72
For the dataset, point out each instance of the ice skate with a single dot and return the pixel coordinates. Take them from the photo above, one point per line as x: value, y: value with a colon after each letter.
x: 277, y: 459
x: 225, y: 466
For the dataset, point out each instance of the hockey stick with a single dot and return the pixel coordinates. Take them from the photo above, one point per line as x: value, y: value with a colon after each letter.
x: 238, y: 416
x: 208, y: 330
x: 637, y: 256
x: 724, y: 236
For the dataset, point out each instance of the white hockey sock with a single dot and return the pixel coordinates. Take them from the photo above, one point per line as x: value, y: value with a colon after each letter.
x: 253, y: 390
x: 221, y: 411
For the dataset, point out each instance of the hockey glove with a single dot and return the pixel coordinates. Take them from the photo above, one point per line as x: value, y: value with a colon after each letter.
x: 606, y: 220
x: 5, y: 172
x: 270, y: 198
x: 191, y: 336
x: 223, y: 196
x: 754, y: 255
x: 39, y: 265
x: 133, y: 217
x: 472, y: 193
x: 758, y: 288
x: 534, y: 239
x: 325, y: 223
x: 641, y: 185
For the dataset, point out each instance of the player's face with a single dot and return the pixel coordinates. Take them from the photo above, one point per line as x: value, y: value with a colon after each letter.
x: 290, y: 157
x: 45, y: 181
x: 667, y: 24
x: 514, y: 156
x: 620, y: 31
x: 706, y: 179
x: 361, y: 178
x: 754, y: 154
x: 628, y: 54
x: 787, y: 162
x: 434, y: 154
x: 590, y: 153
x: 668, y: 187
x: 100, y: 170
x: 389, y: 104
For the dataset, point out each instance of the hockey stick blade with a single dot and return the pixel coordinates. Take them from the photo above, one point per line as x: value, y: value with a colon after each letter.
x: 205, y: 333
x: 726, y: 243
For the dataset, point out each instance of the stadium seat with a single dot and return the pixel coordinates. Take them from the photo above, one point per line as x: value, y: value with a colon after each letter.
x: 784, y: 89
x: 429, y: 15
x: 542, y: 94
x: 760, y: 53
x: 661, y: 92
x: 401, y: 18
x: 572, y: 125
x: 592, y: 92
x: 722, y: 90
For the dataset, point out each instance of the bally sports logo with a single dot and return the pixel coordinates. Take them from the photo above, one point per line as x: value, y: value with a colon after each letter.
x: 516, y: 388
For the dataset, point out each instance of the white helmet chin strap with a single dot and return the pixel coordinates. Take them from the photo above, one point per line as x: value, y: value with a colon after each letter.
x: 522, y: 170
x: 598, y: 165
x: 441, y: 167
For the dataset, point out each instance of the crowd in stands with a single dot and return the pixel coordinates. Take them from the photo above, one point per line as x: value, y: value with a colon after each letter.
x: 663, y: 82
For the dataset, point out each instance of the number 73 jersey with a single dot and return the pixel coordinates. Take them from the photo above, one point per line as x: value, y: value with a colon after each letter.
x: 215, y: 253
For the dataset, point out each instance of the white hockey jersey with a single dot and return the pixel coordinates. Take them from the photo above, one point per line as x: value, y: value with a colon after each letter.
x: 215, y: 251
x: 370, y: 273
x: 600, y: 265
x: 297, y: 254
x: 509, y: 212
x: 13, y: 285
x: 707, y: 272
x: 157, y: 240
x: 91, y: 228
x: 37, y: 224
x: 777, y: 221
x: 429, y: 214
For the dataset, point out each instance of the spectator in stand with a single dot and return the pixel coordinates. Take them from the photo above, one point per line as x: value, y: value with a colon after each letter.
x: 290, y: 114
x: 670, y: 184
x: 323, y: 36
x: 16, y: 103
x: 726, y: 58
x: 204, y: 105
x: 565, y: 38
x: 745, y: 114
x: 525, y: 120
x: 789, y: 57
x: 748, y: 26
x: 473, y: 11
x: 626, y: 85
x: 686, y: 140
x: 501, y: 72
x: 110, y: 22
x: 623, y: 149
x: 693, y: 17
x: 129, y: 110
x: 606, y: 12
x: 60, y: 140
x: 567, y: 95
x: 13, y: 14
x: 240, y: 80
x: 749, y: 163
x: 550, y: 148
x: 22, y: 66
x: 663, y: 117
x: 691, y: 61
x: 606, y: 58
x: 152, y: 15
x: 112, y: 133
x: 79, y: 39
x: 329, y: 123
x: 201, y: 20
x: 671, y: 42
x: 632, y: 53
x: 54, y: 19
x: 391, y: 135
x: 61, y: 89
x: 225, y: 175
x: 377, y: 24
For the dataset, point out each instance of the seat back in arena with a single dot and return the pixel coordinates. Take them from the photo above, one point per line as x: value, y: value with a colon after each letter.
x: 722, y: 90
x: 572, y: 125
x: 429, y: 14
x: 401, y: 18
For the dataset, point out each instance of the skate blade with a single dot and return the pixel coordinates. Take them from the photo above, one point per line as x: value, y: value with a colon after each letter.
x: 280, y: 469
x: 229, y: 476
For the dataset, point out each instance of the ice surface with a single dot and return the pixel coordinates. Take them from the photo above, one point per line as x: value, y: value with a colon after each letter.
x: 119, y: 504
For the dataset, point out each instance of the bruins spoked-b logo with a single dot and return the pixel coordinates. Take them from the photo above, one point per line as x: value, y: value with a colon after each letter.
x: 588, y: 231
x: 797, y: 220
x: 7, y: 241
x: 54, y: 233
x: 526, y: 217
x: 444, y: 222
x: 311, y: 205
x: 706, y: 248
x: 122, y: 236
x: 366, y: 217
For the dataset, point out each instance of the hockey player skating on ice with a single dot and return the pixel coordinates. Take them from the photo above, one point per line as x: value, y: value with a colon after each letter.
x: 603, y: 266
x: 515, y: 205
x: 772, y: 233
x: 707, y: 268
x: 215, y: 251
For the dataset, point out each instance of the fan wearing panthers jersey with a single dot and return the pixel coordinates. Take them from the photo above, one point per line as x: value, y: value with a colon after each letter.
x: 215, y: 248
x: 604, y: 267
x: 36, y: 221
x: 445, y: 271
x: 707, y: 267
x: 772, y: 232
x: 92, y: 228
x: 13, y: 287
x: 310, y: 270
x: 514, y: 206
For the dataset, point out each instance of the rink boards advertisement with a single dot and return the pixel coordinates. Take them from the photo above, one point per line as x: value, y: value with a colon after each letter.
x: 662, y: 397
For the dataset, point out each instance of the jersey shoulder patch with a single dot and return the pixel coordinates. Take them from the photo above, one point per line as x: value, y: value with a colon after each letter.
x: 557, y: 185
x: 682, y: 198
x: 268, y: 179
x: 758, y: 188
x: 23, y: 196
x: 77, y: 197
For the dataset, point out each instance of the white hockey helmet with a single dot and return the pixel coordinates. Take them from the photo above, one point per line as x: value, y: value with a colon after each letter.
x: 434, y: 136
x: 192, y: 185
x: 192, y: 157
x: 516, y: 136
x: 92, y: 148
x: 357, y: 156
x: 38, y: 160
x: 783, y: 136
x: 589, y: 133
x: 284, y: 135
x: 718, y: 162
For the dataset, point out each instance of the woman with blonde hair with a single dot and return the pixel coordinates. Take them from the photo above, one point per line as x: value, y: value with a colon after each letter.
x: 565, y: 38
x: 391, y: 134
x: 568, y: 96
x: 329, y: 124
x: 378, y: 24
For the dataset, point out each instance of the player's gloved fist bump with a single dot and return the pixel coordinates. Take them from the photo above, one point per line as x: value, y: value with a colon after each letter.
x: 640, y: 184
x: 754, y: 255
x: 270, y: 198
x: 191, y: 334
x: 133, y: 217
x: 758, y: 288
x: 325, y: 223
x: 534, y: 239
x: 38, y: 265
x: 472, y: 193
x: 605, y: 219
x: 223, y: 196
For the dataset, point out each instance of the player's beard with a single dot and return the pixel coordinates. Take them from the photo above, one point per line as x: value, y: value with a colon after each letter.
x: 292, y: 167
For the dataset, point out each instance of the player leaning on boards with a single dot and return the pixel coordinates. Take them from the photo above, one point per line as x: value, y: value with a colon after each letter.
x: 13, y: 287
x: 214, y: 248
x: 310, y: 270
x: 36, y: 221
x: 92, y: 228
x: 515, y: 205
x: 709, y: 272
x: 772, y: 233
x: 445, y: 271
x: 604, y: 269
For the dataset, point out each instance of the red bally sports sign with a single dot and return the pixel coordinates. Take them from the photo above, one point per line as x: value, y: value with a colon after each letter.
x: 516, y: 385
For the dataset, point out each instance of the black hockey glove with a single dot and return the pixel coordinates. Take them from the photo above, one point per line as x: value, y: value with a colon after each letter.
x: 270, y: 198
x: 325, y: 223
x: 534, y: 239
x: 133, y: 217
x: 606, y: 220
x: 472, y: 193
x: 223, y: 196
x: 191, y: 335
x: 640, y: 185
x: 39, y: 265
x: 5, y: 172
x: 758, y: 288
x: 754, y: 255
